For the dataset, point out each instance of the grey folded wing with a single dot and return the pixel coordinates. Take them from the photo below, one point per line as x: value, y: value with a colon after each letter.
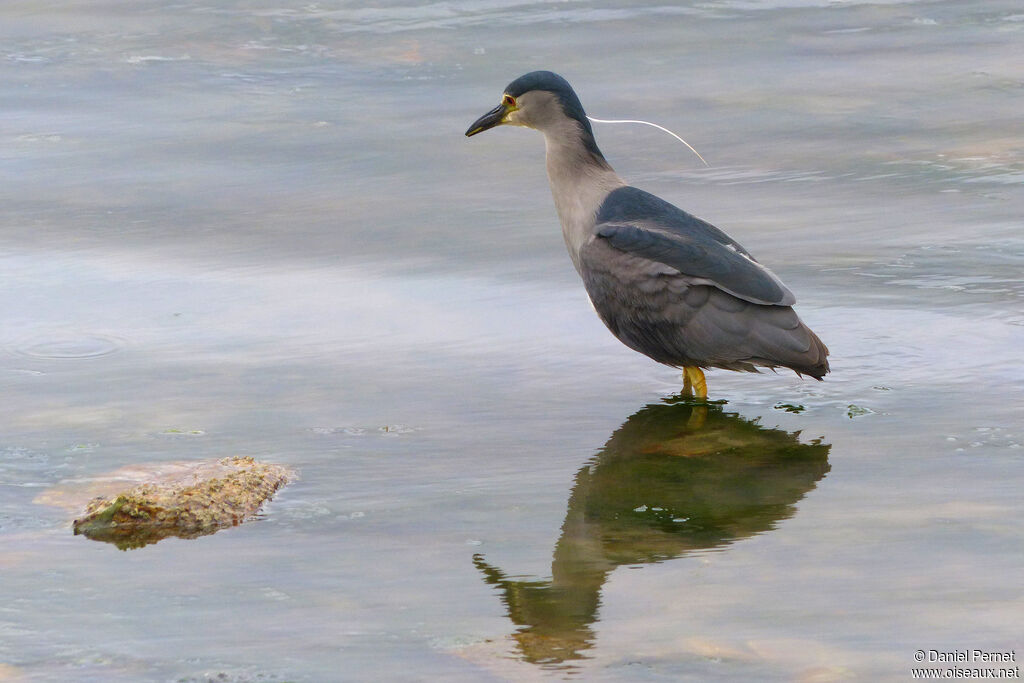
x: 700, y: 259
x: 682, y: 320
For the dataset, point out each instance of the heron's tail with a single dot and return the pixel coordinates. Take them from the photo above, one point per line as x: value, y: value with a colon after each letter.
x: 816, y: 364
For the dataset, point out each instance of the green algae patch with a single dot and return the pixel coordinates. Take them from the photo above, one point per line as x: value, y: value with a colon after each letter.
x: 196, y: 500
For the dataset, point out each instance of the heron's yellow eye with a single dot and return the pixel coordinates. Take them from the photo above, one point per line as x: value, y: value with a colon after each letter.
x: 508, y: 101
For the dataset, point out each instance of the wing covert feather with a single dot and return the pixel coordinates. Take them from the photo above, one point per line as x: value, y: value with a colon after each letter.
x: 705, y: 261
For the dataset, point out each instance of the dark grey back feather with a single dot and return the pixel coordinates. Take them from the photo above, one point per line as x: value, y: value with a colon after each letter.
x: 676, y: 322
x: 639, y: 223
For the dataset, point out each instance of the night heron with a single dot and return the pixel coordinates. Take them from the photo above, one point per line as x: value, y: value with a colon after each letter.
x: 666, y: 283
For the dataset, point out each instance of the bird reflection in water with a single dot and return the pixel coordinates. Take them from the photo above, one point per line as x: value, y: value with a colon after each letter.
x: 674, y: 478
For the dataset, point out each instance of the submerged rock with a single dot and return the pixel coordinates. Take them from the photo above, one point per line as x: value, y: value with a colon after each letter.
x: 189, y: 500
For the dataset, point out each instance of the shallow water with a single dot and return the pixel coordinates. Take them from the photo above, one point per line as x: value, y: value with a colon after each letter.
x: 256, y: 229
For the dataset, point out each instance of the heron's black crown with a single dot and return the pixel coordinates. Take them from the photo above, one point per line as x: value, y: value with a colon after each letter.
x: 551, y: 82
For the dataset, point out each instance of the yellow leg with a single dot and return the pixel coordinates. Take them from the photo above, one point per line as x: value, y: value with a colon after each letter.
x: 698, y: 416
x: 693, y: 381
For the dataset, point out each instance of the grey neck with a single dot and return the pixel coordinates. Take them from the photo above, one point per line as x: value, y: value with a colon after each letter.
x: 580, y: 179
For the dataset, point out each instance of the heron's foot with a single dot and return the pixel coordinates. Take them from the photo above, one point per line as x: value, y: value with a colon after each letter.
x: 694, y: 383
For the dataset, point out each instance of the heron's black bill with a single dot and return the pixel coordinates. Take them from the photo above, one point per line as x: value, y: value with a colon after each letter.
x: 488, y: 120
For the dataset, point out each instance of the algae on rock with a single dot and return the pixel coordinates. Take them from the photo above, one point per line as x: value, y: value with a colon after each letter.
x: 200, y: 499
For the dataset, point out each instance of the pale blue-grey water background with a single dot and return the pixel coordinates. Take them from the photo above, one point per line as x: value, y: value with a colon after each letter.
x: 256, y: 228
